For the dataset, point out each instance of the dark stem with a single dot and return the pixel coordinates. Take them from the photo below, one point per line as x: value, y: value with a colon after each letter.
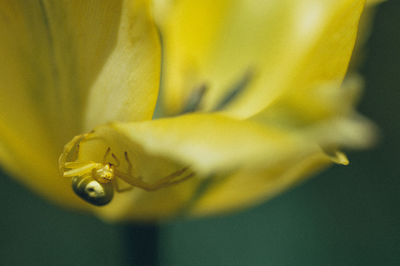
x: 141, y: 244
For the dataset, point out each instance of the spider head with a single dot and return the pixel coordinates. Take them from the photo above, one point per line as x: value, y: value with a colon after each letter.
x: 92, y: 191
x: 104, y: 174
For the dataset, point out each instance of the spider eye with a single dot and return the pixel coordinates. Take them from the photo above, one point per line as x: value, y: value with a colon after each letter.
x: 92, y: 191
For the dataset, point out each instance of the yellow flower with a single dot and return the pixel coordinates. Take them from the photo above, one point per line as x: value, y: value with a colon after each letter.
x: 252, y: 100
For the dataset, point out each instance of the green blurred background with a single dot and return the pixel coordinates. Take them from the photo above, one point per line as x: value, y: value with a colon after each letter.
x: 345, y: 216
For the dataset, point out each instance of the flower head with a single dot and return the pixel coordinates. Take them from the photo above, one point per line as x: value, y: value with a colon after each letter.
x: 251, y: 97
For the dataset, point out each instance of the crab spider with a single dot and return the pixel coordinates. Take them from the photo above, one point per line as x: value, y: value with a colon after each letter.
x: 95, y: 182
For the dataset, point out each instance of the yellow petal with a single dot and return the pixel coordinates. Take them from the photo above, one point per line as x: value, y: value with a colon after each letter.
x: 246, y: 188
x: 287, y: 45
x: 319, y: 103
x: 209, y: 142
x: 64, y: 64
x: 127, y: 86
x: 325, y: 114
x: 206, y: 144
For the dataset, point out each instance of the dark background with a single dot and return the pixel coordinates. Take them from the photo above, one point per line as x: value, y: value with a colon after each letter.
x: 346, y: 216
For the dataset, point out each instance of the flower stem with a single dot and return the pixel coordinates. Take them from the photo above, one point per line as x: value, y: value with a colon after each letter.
x: 141, y: 244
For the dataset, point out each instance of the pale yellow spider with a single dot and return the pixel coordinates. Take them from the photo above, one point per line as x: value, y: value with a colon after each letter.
x: 95, y: 182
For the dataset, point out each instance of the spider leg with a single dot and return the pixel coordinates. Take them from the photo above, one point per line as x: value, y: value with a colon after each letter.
x: 171, y: 179
x: 79, y: 169
x: 106, y: 154
x: 191, y: 174
x: 74, y: 165
x: 129, y: 162
x: 71, y: 150
x: 73, y: 144
x: 163, y: 182
x: 116, y: 160
x: 119, y: 189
